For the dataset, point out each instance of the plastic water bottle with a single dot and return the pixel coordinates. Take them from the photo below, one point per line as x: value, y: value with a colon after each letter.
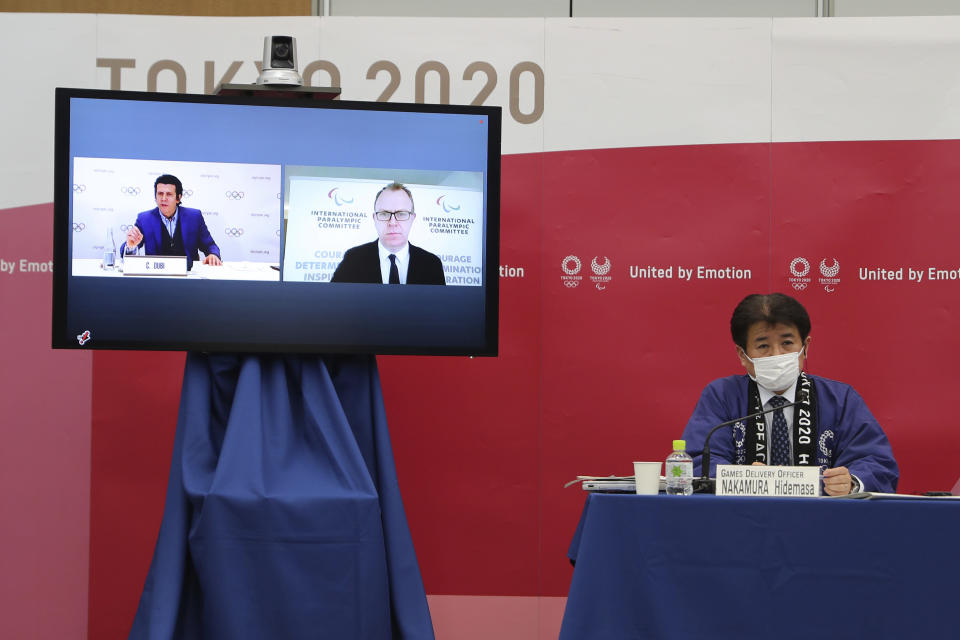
x: 679, y: 470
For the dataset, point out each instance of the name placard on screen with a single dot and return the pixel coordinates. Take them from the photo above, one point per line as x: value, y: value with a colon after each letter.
x: 776, y: 482
x: 155, y: 266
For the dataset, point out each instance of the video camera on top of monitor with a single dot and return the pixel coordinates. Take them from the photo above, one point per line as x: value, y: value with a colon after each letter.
x: 280, y: 62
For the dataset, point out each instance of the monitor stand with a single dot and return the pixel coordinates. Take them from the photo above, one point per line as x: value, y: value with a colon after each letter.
x: 283, y: 516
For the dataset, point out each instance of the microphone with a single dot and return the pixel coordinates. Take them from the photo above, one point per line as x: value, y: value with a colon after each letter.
x: 706, y: 484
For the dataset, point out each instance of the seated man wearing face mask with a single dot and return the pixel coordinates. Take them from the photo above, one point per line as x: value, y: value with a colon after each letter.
x: 830, y: 426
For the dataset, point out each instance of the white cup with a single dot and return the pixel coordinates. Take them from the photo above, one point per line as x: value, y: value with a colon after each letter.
x: 647, y: 476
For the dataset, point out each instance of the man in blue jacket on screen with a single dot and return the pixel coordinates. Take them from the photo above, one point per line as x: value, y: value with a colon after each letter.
x: 170, y: 229
x: 391, y: 259
x: 830, y: 427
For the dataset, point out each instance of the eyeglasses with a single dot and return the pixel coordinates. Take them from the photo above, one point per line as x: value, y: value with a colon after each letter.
x: 401, y: 216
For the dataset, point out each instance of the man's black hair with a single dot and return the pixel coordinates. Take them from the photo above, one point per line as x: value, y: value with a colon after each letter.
x: 772, y: 308
x: 169, y: 179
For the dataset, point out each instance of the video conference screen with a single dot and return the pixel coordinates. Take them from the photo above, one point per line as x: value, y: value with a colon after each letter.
x: 208, y: 223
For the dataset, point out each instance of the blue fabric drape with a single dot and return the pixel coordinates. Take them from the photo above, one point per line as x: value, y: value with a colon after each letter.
x: 283, y: 517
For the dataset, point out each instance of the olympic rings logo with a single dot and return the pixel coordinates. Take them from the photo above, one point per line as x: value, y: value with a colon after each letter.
x: 126, y: 227
x: 187, y: 193
x: 78, y: 227
x: 79, y: 188
x: 234, y: 232
x: 234, y: 195
x: 130, y: 191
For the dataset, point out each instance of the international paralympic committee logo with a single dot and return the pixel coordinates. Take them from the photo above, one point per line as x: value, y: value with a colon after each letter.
x: 447, y: 205
x: 799, y: 273
x: 571, y: 266
x: 829, y: 275
x: 339, y: 197
x: 601, y: 270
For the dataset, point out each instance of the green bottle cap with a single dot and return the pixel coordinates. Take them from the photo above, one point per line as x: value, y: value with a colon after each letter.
x: 679, y: 445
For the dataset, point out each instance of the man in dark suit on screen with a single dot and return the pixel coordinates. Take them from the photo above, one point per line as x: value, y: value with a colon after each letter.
x: 391, y: 259
x: 171, y: 230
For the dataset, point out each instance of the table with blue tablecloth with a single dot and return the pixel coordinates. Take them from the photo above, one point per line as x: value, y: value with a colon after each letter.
x: 705, y: 566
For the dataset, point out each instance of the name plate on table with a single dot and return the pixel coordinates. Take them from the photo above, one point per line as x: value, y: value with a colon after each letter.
x: 155, y: 265
x: 777, y: 482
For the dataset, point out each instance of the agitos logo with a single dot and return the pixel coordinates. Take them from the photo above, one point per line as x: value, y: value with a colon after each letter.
x: 446, y: 205
x: 601, y: 271
x: 234, y: 232
x: 830, y: 274
x: 234, y: 195
x: 339, y: 198
x: 130, y: 191
x: 600, y: 268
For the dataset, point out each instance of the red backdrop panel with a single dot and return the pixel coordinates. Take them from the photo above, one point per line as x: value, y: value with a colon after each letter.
x: 136, y: 396
x: 466, y: 432
x: 44, y: 461
x: 624, y: 365
x: 880, y: 205
x: 592, y: 377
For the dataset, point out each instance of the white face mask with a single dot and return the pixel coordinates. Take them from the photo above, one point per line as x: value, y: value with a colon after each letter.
x: 776, y: 373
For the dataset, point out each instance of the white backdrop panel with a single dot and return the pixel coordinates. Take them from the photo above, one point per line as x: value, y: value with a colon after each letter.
x: 196, y: 52
x: 41, y: 52
x: 605, y: 83
x: 866, y: 79
x: 667, y: 81
x: 240, y: 203
x: 476, y: 55
x: 327, y: 216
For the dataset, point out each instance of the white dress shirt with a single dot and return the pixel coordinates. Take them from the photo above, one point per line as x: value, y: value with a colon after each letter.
x: 403, y: 262
x: 788, y: 412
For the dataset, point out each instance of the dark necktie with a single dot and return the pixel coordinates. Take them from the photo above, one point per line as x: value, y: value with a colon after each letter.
x: 780, y: 454
x: 394, y: 273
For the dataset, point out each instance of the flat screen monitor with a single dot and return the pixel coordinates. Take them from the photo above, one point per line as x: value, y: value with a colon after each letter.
x: 245, y: 224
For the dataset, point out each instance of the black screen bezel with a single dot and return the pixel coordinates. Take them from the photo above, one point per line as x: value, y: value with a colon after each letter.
x: 62, y: 338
